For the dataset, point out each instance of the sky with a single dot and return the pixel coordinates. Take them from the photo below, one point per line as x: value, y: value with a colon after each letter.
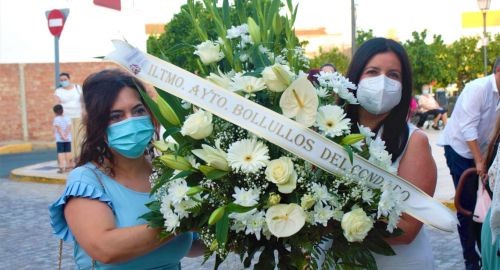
x: 24, y: 36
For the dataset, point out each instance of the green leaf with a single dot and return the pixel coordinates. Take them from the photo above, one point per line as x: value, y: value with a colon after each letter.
x: 211, y: 172
x: 164, y: 178
x: 226, y: 17
x: 182, y: 174
x: 348, y: 149
x: 222, y: 230
x: 170, y: 131
x: 236, y: 208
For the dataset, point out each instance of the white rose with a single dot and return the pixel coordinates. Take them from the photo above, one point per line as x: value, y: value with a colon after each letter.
x: 214, y: 157
x: 277, y: 77
x: 209, y: 52
x: 198, y: 125
x: 281, y: 172
x: 356, y: 225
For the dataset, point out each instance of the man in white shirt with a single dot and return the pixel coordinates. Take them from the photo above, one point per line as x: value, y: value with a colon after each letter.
x: 465, y: 139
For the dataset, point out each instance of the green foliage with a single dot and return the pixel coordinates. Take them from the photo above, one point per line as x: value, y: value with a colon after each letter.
x: 362, y: 36
x: 198, y: 22
x: 440, y: 63
x: 334, y: 56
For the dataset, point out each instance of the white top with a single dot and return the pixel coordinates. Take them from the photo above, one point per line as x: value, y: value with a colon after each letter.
x: 418, y: 254
x: 473, y: 117
x: 70, y: 100
x: 65, y: 124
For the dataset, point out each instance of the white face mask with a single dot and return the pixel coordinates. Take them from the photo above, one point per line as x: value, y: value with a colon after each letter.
x: 379, y: 94
x: 425, y: 91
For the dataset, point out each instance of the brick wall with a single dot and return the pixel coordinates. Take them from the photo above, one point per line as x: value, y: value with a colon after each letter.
x: 39, y: 88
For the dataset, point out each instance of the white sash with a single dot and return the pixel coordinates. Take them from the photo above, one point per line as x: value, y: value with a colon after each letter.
x: 277, y: 129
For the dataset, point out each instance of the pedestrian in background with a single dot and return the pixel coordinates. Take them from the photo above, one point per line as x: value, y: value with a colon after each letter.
x: 69, y: 96
x: 465, y: 140
x: 328, y: 67
x: 62, y: 134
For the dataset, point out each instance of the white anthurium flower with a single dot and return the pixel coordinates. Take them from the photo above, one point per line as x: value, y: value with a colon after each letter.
x: 284, y: 220
x: 248, y: 155
x: 282, y: 173
x: 277, y: 77
x: 300, y: 101
x: 198, y: 125
x: 214, y: 157
x: 331, y: 121
x: 247, y: 84
x: 356, y: 225
x: 209, y: 52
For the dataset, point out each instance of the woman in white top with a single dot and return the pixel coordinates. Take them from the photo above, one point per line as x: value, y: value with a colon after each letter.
x: 382, y: 71
x: 69, y: 96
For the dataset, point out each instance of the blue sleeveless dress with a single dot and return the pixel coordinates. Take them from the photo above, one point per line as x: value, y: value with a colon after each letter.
x: 127, y: 205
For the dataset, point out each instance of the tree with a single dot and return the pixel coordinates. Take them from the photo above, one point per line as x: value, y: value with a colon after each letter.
x: 362, y: 36
x: 465, y: 60
x: 334, y: 56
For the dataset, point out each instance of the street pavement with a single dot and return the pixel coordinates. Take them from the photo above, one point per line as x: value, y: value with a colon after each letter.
x: 27, y: 241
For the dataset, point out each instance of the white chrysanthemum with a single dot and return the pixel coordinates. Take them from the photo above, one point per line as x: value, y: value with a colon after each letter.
x: 172, y: 221
x: 177, y: 190
x: 245, y: 197
x: 378, y: 155
x: 248, y: 155
x: 255, y: 223
x: 322, y: 92
x: 367, y: 132
x: 391, y: 205
x: 181, y: 209
x: 320, y: 192
x: 237, y: 31
x: 347, y: 95
x: 330, y: 119
x: 322, y: 214
x: 247, y: 84
x: 367, y: 195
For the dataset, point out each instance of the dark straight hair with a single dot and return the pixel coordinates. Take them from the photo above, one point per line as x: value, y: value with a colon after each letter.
x: 100, y: 91
x: 396, y: 131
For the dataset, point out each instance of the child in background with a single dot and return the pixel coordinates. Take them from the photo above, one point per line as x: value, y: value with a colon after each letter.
x: 62, y: 133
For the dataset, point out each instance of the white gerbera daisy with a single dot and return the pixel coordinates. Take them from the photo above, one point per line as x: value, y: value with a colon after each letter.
x: 331, y: 121
x: 248, y: 155
x: 247, y: 84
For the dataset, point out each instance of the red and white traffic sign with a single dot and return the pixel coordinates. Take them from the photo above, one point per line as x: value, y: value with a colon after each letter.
x: 55, y: 20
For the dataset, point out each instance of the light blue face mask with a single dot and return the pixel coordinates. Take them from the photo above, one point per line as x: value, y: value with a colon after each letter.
x: 64, y: 83
x: 130, y: 137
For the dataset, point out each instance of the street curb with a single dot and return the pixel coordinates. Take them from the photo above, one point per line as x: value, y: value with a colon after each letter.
x: 16, y: 148
x: 37, y: 179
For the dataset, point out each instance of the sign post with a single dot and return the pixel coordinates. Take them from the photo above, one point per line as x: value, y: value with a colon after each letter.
x: 55, y: 20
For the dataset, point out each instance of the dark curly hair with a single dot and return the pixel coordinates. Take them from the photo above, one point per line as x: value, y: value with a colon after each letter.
x: 100, y: 91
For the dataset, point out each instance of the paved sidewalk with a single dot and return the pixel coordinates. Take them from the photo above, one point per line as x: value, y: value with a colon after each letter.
x: 27, y: 242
